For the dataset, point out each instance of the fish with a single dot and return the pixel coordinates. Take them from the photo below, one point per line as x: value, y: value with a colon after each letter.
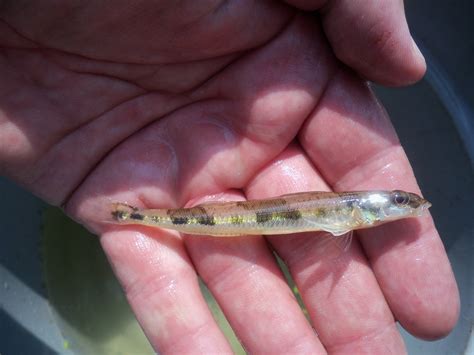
x: 337, y: 213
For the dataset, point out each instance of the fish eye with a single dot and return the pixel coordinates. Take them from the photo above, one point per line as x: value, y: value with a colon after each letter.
x: 400, y: 197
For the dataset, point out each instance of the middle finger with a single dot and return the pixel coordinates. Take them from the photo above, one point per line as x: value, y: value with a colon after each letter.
x: 252, y: 292
x: 339, y: 289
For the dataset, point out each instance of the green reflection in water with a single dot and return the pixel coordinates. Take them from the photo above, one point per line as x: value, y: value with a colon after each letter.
x: 89, y: 305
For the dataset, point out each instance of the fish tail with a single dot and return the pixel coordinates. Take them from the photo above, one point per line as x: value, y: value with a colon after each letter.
x: 121, y: 212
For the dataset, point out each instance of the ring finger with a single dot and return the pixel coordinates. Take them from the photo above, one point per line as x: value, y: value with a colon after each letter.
x: 340, y: 291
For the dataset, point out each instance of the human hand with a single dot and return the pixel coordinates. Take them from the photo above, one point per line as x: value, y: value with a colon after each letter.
x: 160, y: 105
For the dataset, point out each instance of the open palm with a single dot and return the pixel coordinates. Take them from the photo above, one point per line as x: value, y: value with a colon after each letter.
x: 161, y: 105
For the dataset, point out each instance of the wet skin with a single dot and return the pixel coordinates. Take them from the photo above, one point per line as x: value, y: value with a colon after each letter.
x: 158, y: 105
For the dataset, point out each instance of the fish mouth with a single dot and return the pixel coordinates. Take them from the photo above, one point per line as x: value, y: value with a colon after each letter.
x: 424, y: 206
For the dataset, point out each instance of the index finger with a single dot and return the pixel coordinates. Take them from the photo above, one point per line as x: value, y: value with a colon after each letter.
x: 353, y: 144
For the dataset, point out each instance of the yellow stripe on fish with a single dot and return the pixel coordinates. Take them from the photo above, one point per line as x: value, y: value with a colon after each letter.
x: 336, y: 213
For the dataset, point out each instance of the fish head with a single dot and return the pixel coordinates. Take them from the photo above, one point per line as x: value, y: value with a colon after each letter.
x: 384, y: 206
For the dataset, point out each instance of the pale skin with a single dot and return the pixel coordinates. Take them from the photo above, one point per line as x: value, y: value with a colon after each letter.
x: 160, y: 105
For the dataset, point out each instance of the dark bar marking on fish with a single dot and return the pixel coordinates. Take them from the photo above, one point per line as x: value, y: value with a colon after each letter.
x: 207, y: 220
x: 263, y: 217
x: 202, y: 217
x: 188, y: 215
x: 178, y: 215
x: 137, y: 216
x: 320, y: 212
x: 289, y: 215
x: 179, y: 220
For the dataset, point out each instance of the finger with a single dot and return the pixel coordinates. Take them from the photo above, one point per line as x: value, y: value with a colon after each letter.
x: 371, y: 37
x: 242, y: 275
x: 163, y: 291
x: 152, y: 265
x: 351, y: 141
x: 343, y: 299
x: 145, y: 168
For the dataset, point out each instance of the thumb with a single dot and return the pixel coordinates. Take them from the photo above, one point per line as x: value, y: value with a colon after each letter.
x: 372, y: 37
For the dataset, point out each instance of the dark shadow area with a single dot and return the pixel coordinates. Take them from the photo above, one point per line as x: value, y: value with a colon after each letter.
x: 15, y: 340
x: 20, y: 234
x: 446, y: 30
x: 438, y: 158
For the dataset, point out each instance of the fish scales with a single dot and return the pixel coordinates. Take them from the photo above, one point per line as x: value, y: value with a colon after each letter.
x: 336, y: 213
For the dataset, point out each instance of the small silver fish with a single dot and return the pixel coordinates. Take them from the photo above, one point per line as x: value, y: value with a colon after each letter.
x: 335, y: 212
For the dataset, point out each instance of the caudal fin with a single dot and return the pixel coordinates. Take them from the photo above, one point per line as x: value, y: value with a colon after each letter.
x: 120, y: 212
